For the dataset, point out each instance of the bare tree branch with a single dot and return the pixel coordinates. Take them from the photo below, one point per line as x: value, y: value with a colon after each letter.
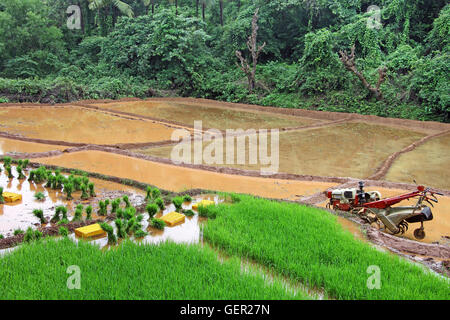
x: 255, y: 51
x: 349, y: 64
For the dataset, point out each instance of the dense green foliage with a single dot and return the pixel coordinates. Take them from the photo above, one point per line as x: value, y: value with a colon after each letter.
x: 128, y: 272
x: 144, y: 48
x: 309, y: 245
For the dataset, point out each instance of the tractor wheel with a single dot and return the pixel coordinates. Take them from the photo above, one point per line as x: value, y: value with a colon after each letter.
x: 375, y: 225
x: 419, y: 234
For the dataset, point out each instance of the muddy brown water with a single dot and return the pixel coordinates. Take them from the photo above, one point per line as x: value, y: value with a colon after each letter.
x: 19, y: 215
x: 79, y: 125
x: 17, y: 146
x: 427, y: 164
x: 211, y: 116
x: 343, y: 150
x: 175, y: 178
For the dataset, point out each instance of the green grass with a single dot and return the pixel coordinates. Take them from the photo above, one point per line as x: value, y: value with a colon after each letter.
x: 308, y: 245
x: 129, y: 272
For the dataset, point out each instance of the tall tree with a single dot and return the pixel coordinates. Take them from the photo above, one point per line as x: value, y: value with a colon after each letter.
x: 124, y: 8
x: 255, y: 50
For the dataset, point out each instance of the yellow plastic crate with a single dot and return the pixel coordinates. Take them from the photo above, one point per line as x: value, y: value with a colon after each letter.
x: 203, y: 203
x: 11, y: 197
x: 93, y: 230
x: 173, y: 218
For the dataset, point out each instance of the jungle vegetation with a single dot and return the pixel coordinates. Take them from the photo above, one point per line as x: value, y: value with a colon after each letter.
x: 316, y: 54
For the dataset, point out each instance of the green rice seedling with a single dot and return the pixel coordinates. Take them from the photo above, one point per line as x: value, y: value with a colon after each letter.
x: 77, y: 183
x: 68, y: 189
x: 63, y: 231
x: 20, y: 172
x: 110, y: 231
x: 120, y: 213
x: 107, y: 202
x: 188, y: 213
x: 25, y: 163
x: 187, y: 198
x: 39, y: 196
x: 60, y: 180
x: 57, y: 172
x: 160, y: 203
x: 20, y: 162
x: 102, y: 211
x: 18, y: 231
x: 29, y: 235
x: 121, y: 229
x: 88, y: 213
x: 140, y: 234
x: 127, y: 201
x: 156, y: 193
x: 139, y: 218
x: 91, y: 190
x: 9, y: 172
x: 84, y: 194
x: 158, y: 223
x: 50, y: 182
x: 85, y: 180
x: 178, y: 202
x: 203, y: 211
x: 131, y: 225
x: 31, y: 176
x: 58, y: 211
x: 1, y: 237
x: 63, y: 221
x: 152, y: 209
x: 78, y: 216
x: 38, y: 213
x: 7, y: 161
x: 129, y: 213
x: 39, y: 175
x: 79, y: 206
x: 115, y: 205
x: 127, y: 264
x: 2, y: 200
x: 310, y: 245
x: 38, y: 235
x: 149, y: 193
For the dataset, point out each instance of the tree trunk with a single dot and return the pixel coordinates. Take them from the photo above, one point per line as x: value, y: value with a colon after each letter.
x: 221, y: 12
x: 176, y: 7
x: 196, y: 7
x: 153, y: 7
x: 203, y: 10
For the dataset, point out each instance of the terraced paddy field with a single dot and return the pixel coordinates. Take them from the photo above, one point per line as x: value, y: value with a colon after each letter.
x: 343, y: 150
x: 123, y: 147
x: 17, y: 147
x: 176, y: 178
x: 79, y: 125
x: 428, y: 163
x: 212, y: 116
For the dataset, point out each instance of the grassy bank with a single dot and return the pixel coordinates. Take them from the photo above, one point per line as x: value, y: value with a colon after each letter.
x: 167, y: 271
x: 308, y: 245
